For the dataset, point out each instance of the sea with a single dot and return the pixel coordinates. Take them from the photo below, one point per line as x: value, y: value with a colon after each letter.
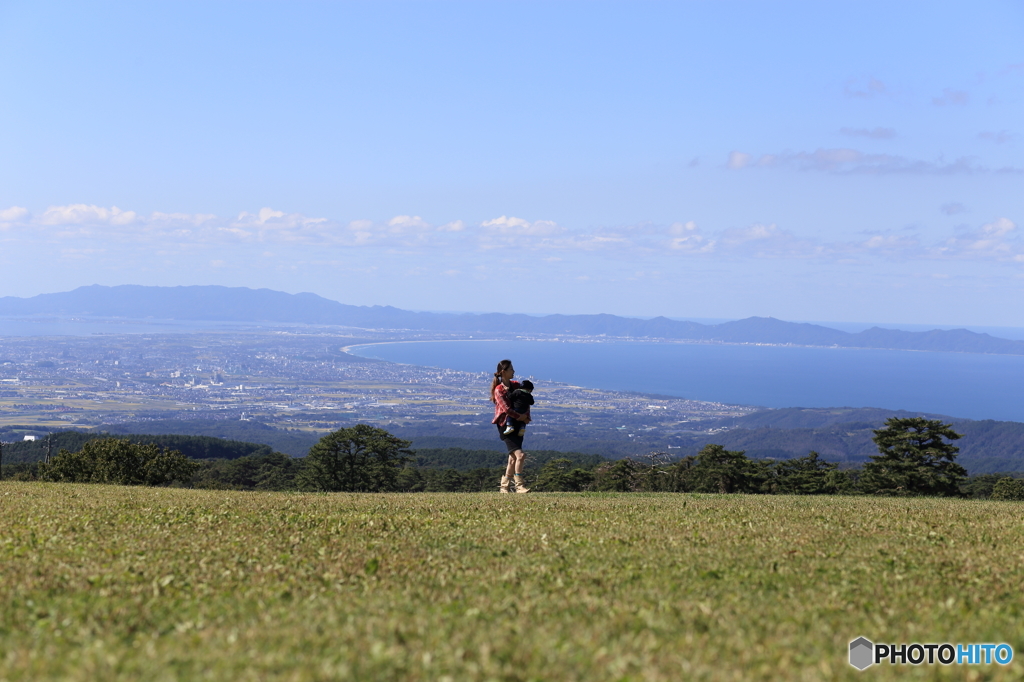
x: 966, y: 385
x: 973, y: 386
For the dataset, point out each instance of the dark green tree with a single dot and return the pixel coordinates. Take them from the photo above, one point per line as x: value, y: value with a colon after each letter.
x: 808, y: 475
x: 653, y: 475
x: 980, y: 487
x: 274, y: 471
x: 718, y: 470
x: 560, y: 475
x: 620, y: 476
x: 119, y: 461
x: 680, y: 475
x: 277, y: 471
x: 362, y: 459
x: 915, y: 459
x: 445, y: 481
x: 1008, y: 488
x: 410, y: 480
x: 481, y: 479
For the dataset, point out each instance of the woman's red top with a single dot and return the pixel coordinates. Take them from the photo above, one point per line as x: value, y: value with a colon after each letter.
x: 502, y: 403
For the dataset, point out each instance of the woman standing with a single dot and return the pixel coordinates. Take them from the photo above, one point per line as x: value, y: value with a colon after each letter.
x: 501, y: 386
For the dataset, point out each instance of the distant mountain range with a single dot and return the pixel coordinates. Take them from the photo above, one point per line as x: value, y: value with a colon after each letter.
x: 239, y: 304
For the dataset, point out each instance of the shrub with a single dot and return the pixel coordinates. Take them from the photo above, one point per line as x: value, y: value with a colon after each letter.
x: 1008, y: 489
x: 119, y: 461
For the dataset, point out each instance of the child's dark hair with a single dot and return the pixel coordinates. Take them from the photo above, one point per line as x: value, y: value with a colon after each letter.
x: 527, y: 385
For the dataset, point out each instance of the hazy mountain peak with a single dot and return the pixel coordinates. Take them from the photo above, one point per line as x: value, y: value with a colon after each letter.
x: 241, y: 304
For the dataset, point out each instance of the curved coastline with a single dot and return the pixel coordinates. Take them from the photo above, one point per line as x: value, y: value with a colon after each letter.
x: 974, y: 386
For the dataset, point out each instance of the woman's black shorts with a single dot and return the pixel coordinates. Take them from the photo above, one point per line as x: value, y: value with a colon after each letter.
x: 512, y: 441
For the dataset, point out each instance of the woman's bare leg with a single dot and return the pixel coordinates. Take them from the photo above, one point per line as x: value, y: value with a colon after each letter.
x: 511, y: 468
x: 520, y: 457
x: 520, y: 484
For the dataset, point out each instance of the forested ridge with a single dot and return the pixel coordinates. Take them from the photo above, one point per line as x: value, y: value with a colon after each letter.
x: 917, y: 457
x: 841, y: 435
x: 193, y: 447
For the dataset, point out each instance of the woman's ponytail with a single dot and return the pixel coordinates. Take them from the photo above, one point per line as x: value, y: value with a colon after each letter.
x: 502, y: 366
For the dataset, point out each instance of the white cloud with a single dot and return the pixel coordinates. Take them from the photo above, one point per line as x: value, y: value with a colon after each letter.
x: 995, y: 240
x: 889, y: 244
x: 268, y: 213
x: 14, y: 214
x: 770, y: 241
x: 191, y: 218
x: 999, y: 227
x: 80, y: 214
x: 404, y: 223
x: 269, y: 219
x: 548, y: 236
x: 738, y: 160
x: 687, y: 237
x: 751, y: 233
x: 90, y: 222
x: 504, y: 223
x: 84, y: 231
x: 520, y: 227
x: 757, y: 237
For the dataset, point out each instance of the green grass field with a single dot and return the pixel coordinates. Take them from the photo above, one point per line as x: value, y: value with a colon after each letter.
x: 116, y: 583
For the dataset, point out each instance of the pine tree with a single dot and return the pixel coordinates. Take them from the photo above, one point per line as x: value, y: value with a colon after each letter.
x: 362, y: 459
x: 914, y: 459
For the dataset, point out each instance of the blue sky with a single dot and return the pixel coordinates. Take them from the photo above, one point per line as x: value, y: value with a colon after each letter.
x: 848, y: 161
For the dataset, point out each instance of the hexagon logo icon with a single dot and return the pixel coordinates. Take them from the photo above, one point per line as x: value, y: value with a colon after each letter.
x: 861, y: 653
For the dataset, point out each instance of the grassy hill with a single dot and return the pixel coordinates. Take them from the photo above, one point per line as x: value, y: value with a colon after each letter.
x: 117, y: 583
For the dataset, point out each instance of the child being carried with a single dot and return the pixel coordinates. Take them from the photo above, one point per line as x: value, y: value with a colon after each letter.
x: 521, y: 399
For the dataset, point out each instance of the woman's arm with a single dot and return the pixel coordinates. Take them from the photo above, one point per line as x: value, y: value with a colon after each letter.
x: 502, y: 398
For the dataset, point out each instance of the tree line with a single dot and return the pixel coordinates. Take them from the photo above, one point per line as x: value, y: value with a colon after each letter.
x: 916, y: 457
x: 194, y: 447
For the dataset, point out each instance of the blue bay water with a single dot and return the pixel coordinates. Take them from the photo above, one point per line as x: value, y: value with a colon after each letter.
x: 955, y: 384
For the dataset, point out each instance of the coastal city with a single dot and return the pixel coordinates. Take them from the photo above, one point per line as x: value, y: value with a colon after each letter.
x: 302, y: 380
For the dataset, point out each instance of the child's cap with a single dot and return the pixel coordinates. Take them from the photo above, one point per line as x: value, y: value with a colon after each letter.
x: 527, y: 385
